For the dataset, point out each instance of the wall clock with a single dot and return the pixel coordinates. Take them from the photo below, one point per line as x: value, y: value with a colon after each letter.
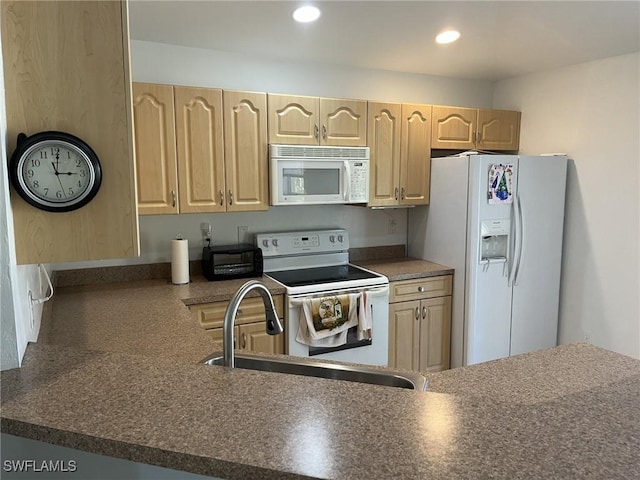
x: 55, y: 171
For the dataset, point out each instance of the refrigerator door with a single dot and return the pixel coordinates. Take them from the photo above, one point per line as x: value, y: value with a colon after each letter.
x: 536, y: 290
x: 488, y: 309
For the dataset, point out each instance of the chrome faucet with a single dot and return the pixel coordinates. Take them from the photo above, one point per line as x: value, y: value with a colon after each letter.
x: 274, y: 327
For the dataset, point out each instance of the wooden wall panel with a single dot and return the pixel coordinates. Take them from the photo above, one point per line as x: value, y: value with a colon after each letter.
x: 66, y: 67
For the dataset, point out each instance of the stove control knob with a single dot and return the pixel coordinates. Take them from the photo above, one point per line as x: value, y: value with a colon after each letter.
x: 332, y: 238
x: 265, y: 243
x: 340, y: 238
x: 275, y: 242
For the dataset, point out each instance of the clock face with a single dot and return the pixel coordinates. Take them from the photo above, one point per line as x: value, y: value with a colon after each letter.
x: 56, y: 174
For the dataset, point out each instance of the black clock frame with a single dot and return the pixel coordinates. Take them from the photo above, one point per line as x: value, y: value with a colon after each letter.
x: 25, y: 143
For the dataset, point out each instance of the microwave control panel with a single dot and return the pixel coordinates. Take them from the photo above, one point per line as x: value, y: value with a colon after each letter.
x: 359, y: 185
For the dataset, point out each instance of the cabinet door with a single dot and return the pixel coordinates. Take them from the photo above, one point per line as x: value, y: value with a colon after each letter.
x: 498, y: 130
x: 454, y: 127
x: 200, y: 149
x: 254, y: 338
x: 343, y: 122
x: 245, y: 145
x: 383, y: 138
x: 155, y: 146
x: 404, y: 324
x: 293, y: 120
x: 415, y: 166
x: 435, y: 334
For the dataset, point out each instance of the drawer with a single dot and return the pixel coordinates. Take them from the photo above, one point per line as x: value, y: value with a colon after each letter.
x: 211, y: 315
x: 420, y: 288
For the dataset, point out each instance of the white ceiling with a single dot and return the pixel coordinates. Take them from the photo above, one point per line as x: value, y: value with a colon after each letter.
x: 500, y: 39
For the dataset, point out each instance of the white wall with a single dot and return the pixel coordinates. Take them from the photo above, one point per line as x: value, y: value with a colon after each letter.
x: 19, y: 321
x: 161, y: 63
x: 592, y: 112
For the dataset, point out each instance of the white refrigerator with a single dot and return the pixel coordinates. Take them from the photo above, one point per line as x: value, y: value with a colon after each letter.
x: 498, y: 220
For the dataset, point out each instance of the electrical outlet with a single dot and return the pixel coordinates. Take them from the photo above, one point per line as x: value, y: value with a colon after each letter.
x: 205, y: 229
x: 391, y: 226
x: 243, y: 234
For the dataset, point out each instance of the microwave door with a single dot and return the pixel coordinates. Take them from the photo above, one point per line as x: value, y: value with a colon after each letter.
x: 308, y: 182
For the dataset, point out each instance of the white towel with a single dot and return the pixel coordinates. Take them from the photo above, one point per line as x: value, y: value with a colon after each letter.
x: 326, y: 310
x: 365, y: 316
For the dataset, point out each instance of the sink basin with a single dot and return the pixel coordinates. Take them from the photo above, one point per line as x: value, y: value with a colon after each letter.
x: 310, y: 368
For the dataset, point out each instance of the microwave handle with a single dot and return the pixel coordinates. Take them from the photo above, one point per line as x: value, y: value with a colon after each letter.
x: 346, y: 181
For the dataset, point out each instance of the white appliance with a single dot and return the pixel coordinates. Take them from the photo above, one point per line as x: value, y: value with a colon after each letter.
x: 498, y: 220
x: 308, y: 175
x: 315, y: 264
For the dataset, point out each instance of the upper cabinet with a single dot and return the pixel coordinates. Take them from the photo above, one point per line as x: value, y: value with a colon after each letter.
x: 300, y: 120
x: 469, y: 128
x: 400, y: 154
x: 199, y: 150
x: 246, y: 161
x: 66, y: 68
x: 155, y: 145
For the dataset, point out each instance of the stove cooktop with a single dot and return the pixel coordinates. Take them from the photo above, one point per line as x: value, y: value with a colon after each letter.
x: 321, y: 275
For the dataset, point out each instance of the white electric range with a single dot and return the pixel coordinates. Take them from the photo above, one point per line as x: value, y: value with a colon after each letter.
x: 315, y: 265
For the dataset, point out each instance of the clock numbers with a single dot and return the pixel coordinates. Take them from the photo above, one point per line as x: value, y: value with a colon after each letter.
x: 35, y: 162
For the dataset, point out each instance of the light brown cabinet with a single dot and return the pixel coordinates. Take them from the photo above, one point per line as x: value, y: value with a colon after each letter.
x: 399, y: 137
x: 66, y: 68
x: 249, y: 332
x: 420, y: 324
x: 179, y: 149
x: 155, y: 146
x: 245, y: 151
x: 300, y: 120
x: 470, y: 128
x: 200, y: 149
x: 188, y: 162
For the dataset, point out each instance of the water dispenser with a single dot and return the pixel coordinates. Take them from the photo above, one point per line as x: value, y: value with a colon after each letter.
x: 494, y: 240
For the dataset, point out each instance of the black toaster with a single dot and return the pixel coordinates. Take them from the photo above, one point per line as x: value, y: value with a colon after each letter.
x: 225, y: 262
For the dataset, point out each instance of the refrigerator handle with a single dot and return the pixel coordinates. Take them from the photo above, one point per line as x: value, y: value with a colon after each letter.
x: 520, y: 236
x: 512, y: 246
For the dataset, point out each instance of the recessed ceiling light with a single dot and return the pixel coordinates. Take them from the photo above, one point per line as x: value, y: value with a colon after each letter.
x: 306, y: 14
x: 448, y: 36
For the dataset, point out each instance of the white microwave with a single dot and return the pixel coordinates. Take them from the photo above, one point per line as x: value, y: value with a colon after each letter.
x: 317, y: 175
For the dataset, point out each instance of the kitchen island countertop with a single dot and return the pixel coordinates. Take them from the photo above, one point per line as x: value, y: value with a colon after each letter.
x: 128, y: 383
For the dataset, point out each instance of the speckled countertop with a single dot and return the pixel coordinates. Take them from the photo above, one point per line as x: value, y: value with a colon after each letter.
x: 117, y: 373
x: 408, y: 268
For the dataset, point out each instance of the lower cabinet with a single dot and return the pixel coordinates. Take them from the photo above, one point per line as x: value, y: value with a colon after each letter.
x: 420, y: 324
x: 249, y: 333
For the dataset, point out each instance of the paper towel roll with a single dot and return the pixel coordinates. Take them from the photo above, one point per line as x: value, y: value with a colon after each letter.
x: 179, y: 261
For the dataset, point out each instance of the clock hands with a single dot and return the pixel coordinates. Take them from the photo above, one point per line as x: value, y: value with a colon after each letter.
x: 55, y: 169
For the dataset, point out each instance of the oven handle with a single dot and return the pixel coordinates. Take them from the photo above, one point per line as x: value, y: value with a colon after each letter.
x: 373, y: 291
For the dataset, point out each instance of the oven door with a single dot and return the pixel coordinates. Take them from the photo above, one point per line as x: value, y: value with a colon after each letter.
x: 372, y: 352
x: 308, y: 182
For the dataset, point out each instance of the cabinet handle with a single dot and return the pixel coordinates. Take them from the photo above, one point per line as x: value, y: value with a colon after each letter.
x: 417, y: 313
x: 244, y: 340
x: 396, y: 193
x: 424, y: 312
x: 221, y: 197
x: 324, y: 132
x: 235, y: 343
x: 173, y: 198
x: 402, y: 196
x: 230, y: 197
x: 316, y: 131
x: 421, y: 289
x: 473, y: 137
x: 479, y: 137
